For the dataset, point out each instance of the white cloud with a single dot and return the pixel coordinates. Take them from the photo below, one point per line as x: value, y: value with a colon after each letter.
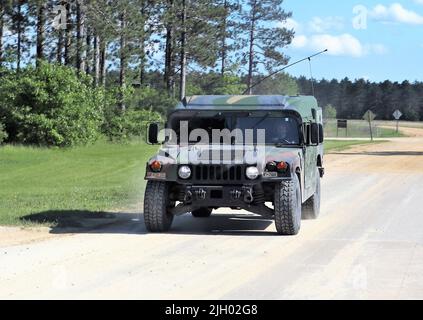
x: 376, y: 49
x: 418, y: 1
x: 290, y: 24
x: 396, y: 13
x: 321, y: 25
x: 299, y: 41
x: 342, y: 45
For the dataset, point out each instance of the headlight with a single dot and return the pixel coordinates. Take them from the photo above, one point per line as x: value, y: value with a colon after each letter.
x: 184, y: 172
x: 252, y: 173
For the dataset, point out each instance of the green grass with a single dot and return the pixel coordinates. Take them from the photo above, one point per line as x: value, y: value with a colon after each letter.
x: 93, y: 178
x: 340, y: 145
x: 361, y: 129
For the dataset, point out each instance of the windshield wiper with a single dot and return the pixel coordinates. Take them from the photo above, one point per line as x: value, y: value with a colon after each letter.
x: 261, y: 121
x: 284, y: 143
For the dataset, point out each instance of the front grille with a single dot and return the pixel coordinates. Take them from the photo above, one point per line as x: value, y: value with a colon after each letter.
x: 219, y: 173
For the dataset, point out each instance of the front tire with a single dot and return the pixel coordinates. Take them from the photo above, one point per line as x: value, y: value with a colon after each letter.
x: 311, y: 209
x: 202, y: 213
x: 157, y: 217
x: 288, y: 207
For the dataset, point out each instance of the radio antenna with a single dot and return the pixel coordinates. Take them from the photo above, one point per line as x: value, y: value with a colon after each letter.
x: 311, y: 78
x: 284, y: 68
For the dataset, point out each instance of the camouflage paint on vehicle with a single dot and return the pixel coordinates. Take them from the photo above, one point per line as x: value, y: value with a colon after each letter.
x: 302, y: 161
x: 301, y: 104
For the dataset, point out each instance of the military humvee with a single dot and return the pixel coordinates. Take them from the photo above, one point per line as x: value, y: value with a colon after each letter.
x: 267, y: 159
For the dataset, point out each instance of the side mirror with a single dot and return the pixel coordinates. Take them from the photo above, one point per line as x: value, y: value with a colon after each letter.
x: 322, y: 134
x: 315, y: 134
x: 153, y: 133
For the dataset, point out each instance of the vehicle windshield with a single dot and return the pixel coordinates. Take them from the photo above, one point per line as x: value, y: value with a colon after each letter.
x: 275, y: 129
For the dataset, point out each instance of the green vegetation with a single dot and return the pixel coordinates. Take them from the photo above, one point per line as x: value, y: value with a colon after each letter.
x: 352, y: 98
x: 359, y: 129
x: 3, y: 133
x: 340, y: 145
x: 329, y: 112
x: 51, y: 105
x: 93, y: 178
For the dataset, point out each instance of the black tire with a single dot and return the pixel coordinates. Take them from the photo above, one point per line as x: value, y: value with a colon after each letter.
x: 202, y: 213
x: 311, y: 208
x: 288, y: 207
x: 156, y: 207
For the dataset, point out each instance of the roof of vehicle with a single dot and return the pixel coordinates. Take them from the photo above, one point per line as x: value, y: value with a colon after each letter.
x: 301, y: 104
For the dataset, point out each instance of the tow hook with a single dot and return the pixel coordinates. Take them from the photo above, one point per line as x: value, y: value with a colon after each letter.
x: 248, y: 196
x: 236, y: 194
x: 188, y: 197
x: 201, y: 194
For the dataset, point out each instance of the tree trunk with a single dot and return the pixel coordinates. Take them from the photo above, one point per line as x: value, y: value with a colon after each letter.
x: 88, y: 52
x: 224, y: 33
x: 122, y: 75
x: 251, y: 49
x: 41, y: 20
x: 68, y: 40
x: 103, y: 62
x: 169, y: 69
x: 183, y: 80
x: 169, y: 66
x: 142, y: 63
x: 59, y: 54
x: 80, y: 48
x: 96, y: 60
x: 142, y: 44
x: 19, y: 40
x: 1, y: 33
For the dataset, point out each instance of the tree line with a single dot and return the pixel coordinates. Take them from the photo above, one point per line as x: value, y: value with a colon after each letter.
x: 121, y: 63
x: 134, y: 37
x: 352, y: 99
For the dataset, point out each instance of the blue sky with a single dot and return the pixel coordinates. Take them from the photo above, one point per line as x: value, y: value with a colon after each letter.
x: 374, y: 40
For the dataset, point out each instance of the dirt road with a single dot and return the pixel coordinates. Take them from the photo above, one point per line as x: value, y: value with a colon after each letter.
x: 367, y: 244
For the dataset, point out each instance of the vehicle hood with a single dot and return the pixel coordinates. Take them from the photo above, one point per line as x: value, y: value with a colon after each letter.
x: 226, y: 154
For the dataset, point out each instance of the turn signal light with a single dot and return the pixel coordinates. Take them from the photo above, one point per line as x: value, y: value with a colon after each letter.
x: 156, y: 166
x: 282, y: 166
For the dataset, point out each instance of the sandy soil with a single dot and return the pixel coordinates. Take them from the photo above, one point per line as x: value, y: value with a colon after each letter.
x: 367, y: 244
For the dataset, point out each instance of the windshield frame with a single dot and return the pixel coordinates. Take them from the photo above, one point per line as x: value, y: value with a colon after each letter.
x: 189, y: 113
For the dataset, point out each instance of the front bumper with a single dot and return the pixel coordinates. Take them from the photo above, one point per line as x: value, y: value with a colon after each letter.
x: 248, y: 197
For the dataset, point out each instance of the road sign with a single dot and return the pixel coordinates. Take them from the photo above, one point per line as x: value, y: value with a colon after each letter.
x: 342, y: 124
x: 397, y: 115
x: 370, y: 116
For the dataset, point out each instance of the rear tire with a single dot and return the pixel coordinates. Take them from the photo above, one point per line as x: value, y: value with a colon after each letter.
x: 157, y: 217
x: 288, y: 207
x: 311, y: 209
x: 202, y: 213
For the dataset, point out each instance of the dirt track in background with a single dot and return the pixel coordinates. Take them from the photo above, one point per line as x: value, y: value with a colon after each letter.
x: 367, y: 244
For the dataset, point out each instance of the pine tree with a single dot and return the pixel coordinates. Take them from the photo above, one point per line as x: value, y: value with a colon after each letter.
x: 19, y: 24
x: 227, y: 32
x: 80, y: 36
x: 3, y: 9
x: 264, y: 41
x: 41, y: 7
